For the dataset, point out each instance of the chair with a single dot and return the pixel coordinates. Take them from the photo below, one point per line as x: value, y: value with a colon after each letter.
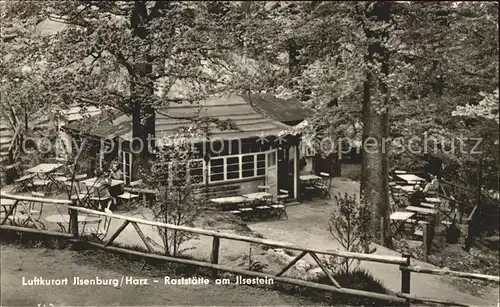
x: 100, y: 230
x: 24, y: 181
x: 127, y: 198
x: 246, y: 211
x: 398, y: 197
x: 32, y: 213
x: 324, y: 185
x: 74, y: 187
x: 279, y: 207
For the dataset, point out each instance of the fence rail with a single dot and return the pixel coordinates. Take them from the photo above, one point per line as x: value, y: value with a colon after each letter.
x: 403, y: 261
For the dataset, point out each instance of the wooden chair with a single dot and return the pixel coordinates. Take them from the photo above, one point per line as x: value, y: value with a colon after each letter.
x: 24, y: 181
x: 399, y: 198
x: 324, y: 185
x: 74, y: 187
x: 246, y: 211
x: 30, y: 213
x: 279, y: 207
x: 99, y: 229
x: 128, y: 198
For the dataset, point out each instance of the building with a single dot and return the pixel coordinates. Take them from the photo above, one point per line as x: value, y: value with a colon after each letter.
x: 239, y: 158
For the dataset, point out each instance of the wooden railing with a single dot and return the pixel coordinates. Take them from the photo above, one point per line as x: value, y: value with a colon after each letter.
x: 403, y: 262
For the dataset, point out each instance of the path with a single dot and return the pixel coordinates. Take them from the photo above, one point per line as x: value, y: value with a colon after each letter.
x: 307, y: 226
x: 18, y: 263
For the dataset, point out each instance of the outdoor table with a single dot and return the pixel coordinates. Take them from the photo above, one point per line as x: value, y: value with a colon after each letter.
x: 433, y: 200
x: 96, y: 182
x: 428, y: 205
x: 309, y: 184
x: 61, y: 219
x: 398, y: 220
x: 410, y: 177
x: 407, y: 188
x: 229, y: 202
x: 99, y: 184
x: 308, y: 178
x: 421, y: 210
x: 45, y: 169
x: 257, y: 195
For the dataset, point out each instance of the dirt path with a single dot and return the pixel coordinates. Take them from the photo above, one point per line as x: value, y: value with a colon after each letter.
x: 307, y: 226
x: 18, y: 263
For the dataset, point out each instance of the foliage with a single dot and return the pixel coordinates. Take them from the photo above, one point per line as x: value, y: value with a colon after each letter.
x: 350, y: 226
x: 358, y: 279
x: 177, y: 202
x: 486, y: 108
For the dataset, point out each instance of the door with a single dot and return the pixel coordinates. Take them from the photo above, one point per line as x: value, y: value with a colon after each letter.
x: 272, y: 171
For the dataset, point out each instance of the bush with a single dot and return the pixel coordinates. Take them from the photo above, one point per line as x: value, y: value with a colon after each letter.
x: 360, y: 280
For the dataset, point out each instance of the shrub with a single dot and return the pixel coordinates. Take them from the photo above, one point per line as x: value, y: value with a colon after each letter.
x: 357, y: 279
x: 350, y: 226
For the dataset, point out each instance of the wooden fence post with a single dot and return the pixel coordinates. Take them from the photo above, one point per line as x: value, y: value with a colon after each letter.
x: 73, y: 226
x: 405, y: 277
x: 214, y: 256
x: 426, y: 238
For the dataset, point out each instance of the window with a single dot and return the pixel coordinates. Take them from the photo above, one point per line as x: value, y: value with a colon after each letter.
x: 217, y: 169
x: 307, y: 150
x: 271, y: 158
x: 238, y: 166
x: 233, y: 167
x: 125, y: 161
x: 248, y: 166
x: 261, y: 164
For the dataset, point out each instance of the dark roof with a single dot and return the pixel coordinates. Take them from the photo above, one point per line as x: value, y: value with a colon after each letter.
x: 248, y: 121
x: 290, y: 110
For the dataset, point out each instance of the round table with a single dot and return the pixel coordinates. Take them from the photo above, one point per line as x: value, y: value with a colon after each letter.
x: 61, y: 219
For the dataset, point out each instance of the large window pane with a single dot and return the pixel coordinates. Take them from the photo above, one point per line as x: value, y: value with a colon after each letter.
x: 271, y: 158
x: 248, y: 166
x: 233, y: 168
x: 217, y: 169
x: 261, y: 164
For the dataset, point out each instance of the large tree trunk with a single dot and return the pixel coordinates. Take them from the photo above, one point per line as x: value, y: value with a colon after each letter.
x: 142, y: 91
x: 374, y: 178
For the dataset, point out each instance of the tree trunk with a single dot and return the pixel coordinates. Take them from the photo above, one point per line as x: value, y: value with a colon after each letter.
x: 142, y: 91
x: 374, y: 174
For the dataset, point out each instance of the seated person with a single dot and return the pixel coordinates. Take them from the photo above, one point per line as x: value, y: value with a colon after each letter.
x: 416, y: 197
x: 115, y: 174
x: 432, y: 185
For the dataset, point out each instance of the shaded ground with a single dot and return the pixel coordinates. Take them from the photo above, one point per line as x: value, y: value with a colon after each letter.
x: 47, y: 263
